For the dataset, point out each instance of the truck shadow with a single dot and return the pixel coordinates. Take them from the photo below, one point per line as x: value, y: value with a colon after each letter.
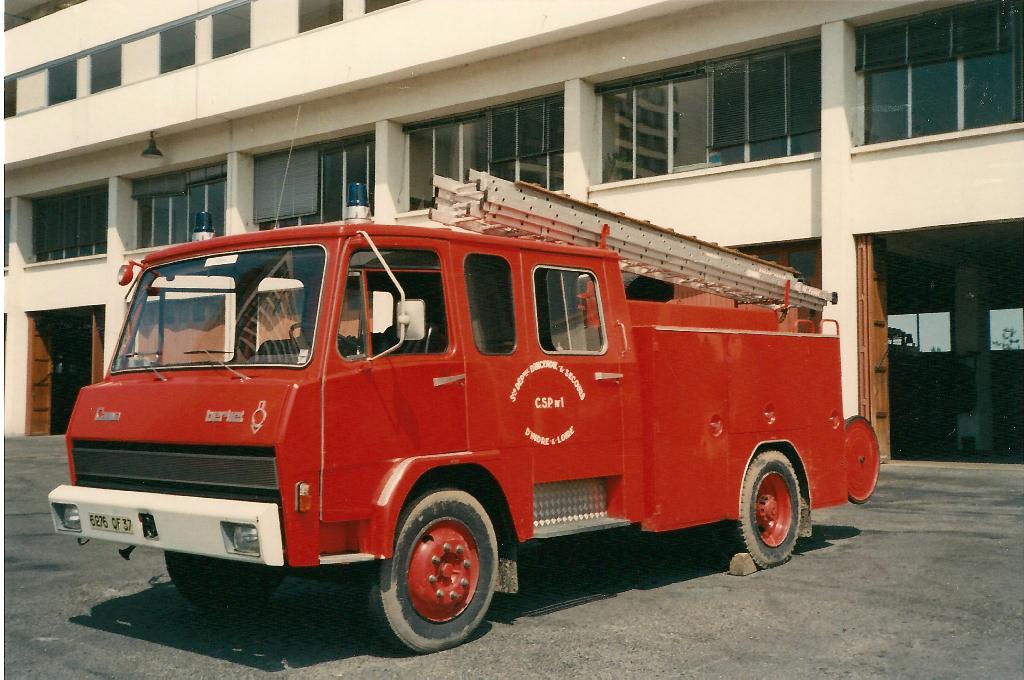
x: 312, y: 622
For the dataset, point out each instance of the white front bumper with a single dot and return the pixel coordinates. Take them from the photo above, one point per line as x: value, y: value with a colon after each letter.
x: 184, y: 523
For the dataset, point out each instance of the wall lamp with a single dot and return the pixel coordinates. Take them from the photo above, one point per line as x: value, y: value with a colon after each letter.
x: 151, y: 151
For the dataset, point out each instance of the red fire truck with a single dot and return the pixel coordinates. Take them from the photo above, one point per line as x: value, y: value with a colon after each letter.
x: 427, y: 400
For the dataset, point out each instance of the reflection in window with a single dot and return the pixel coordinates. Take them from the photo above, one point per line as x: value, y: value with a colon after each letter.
x: 1006, y: 328
x: 521, y: 142
x: 928, y: 332
x: 491, y: 312
x: 941, y: 71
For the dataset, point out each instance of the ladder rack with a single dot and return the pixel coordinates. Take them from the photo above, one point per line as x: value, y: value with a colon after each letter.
x: 490, y: 205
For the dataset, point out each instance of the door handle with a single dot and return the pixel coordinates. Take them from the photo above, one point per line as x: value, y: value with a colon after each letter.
x: 607, y: 376
x: 448, y: 379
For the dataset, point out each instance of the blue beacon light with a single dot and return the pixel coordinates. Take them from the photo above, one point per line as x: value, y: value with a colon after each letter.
x: 358, y: 209
x: 204, y: 227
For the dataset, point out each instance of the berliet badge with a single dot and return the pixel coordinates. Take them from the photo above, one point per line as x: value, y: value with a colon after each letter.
x: 102, y: 414
x: 259, y: 416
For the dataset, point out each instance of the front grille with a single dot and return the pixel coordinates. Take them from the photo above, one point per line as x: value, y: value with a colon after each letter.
x: 235, y: 472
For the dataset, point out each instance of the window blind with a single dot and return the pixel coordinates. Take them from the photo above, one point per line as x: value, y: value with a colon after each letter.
x: 300, y: 187
x: 767, y: 96
x: 804, y: 90
x: 729, y: 104
x: 501, y: 135
x: 929, y: 38
x: 161, y: 185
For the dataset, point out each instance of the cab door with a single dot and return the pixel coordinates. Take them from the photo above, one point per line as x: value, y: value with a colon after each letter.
x: 567, y: 396
x: 409, y: 402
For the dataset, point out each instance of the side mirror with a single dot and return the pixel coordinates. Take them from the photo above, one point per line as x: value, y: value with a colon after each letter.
x: 126, y: 273
x: 413, y: 316
x: 382, y: 306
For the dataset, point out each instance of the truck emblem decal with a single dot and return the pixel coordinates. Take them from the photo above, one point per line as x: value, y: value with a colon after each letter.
x: 225, y: 416
x: 548, y: 399
x: 259, y: 416
x: 110, y: 416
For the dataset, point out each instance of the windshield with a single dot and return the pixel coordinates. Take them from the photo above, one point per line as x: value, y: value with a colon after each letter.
x: 246, y: 308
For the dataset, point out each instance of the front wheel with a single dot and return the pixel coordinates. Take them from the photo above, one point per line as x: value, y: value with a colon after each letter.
x: 436, y: 588
x: 769, y: 509
x: 221, y: 586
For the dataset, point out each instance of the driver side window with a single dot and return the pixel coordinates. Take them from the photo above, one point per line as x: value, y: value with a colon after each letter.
x: 419, y: 273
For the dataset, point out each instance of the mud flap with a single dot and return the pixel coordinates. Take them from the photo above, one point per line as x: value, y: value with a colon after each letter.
x: 508, y: 576
x: 804, y: 528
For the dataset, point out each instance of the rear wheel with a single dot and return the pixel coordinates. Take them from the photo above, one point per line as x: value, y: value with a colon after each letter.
x: 436, y: 588
x: 769, y: 509
x: 221, y: 586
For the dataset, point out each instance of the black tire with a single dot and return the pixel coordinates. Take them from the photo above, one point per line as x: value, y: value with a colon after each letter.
x: 221, y: 586
x: 778, y: 548
x: 394, y: 609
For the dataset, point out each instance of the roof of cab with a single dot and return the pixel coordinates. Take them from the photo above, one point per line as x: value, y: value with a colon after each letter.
x: 321, y: 232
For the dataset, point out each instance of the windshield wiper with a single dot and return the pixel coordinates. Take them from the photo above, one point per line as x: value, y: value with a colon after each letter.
x: 209, y: 353
x: 149, y: 366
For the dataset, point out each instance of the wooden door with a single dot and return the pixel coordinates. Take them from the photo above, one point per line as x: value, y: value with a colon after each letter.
x: 873, y: 339
x: 40, y: 373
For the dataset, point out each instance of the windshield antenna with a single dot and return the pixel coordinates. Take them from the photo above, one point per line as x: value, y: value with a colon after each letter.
x: 287, y: 164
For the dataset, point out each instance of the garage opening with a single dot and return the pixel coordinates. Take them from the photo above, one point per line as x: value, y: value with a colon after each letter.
x: 954, y: 358
x: 66, y: 354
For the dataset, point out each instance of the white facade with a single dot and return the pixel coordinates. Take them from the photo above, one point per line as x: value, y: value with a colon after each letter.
x: 423, y: 59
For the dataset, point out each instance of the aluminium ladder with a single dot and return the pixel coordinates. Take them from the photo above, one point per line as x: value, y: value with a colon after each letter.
x: 490, y: 205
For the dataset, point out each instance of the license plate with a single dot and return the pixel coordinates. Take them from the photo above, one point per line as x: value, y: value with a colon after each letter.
x: 119, y: 525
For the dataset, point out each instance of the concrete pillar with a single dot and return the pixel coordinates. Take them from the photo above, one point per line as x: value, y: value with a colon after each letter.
x: 582, y: 138
x: 353, y: 8
x: 32, y: 91
x: 274, y: 20
x: 16, y: 357
x: 204, y: 40
x: 83, y: 79
x: 238, y: 194
x: 389, y: 195
x: 838, y: 251
x: 122, y: 235
x: 140, y: 59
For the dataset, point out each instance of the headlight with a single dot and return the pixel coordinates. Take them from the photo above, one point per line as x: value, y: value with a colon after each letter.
x: 68, y: 515
x: 243, y: 539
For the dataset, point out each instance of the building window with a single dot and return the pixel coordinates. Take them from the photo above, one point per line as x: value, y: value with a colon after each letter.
x: 167, y: 204
x: 1006, y: 329
x: 317, y: 13
x: 519, y: 142
x: 759, y: 106
x: 10, y: 98
x: 70, y: 225
x: 311, y: 187
x: 374, y: 5
x: 62, y: 82
x: 105, y: 69
x: 942, y: 71
x: 231, y: 30
x: 928, y: 332
x: 178, y: 47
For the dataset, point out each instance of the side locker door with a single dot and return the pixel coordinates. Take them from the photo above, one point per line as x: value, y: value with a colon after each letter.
x: 568, y: 394
x: 409, y: 403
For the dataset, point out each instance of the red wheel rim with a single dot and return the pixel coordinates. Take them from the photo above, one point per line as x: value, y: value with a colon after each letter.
x: 443, y: 570
x: 861, y: 452
x: 774, y: 509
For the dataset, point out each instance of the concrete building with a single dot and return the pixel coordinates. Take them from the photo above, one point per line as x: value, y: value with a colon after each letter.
x: 876, y: 146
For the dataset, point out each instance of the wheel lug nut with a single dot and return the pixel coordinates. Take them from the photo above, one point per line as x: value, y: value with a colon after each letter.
x: 458, y: 550
x: 432, y: 578
x: 454, y: 595
x: 440, y: 594
x: 464, y: 582
x: 447, y: 548
x: 435, y: 560
x: 466, y: 564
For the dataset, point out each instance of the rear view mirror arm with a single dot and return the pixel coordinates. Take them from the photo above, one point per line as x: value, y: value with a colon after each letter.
x: 401, y: 298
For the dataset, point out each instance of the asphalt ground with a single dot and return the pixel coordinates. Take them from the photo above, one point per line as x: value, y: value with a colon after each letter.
x: 926, y: 580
